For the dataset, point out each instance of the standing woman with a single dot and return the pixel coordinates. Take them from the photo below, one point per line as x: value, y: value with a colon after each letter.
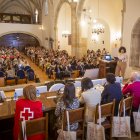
x: 122, y: 62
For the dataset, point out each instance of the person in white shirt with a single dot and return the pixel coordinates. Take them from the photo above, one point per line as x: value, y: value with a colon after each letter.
x: 10, y: 73
x: 26, y: 63
x: 91, y: 97
x: 122, y: 62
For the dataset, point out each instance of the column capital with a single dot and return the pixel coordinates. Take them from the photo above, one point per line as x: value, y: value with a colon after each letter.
x: 73, y: 4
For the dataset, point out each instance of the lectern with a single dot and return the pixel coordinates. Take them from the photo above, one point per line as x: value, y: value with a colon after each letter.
x: 106, y: 67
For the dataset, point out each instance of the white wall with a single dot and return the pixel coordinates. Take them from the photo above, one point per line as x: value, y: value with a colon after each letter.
x: 35, y: 30
x: 64, y: 23
x: 130, y: 17
x: 48, y: 24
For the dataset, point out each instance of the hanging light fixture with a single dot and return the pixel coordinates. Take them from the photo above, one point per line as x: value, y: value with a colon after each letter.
x: 97, y: 26
x: 86, y: 17
x: 83, y: 21
x: 73, y: 1
x: 65, y: 32
x: 36, y: 16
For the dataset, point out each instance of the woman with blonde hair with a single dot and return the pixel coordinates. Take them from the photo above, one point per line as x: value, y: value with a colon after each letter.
x: 27, y: 108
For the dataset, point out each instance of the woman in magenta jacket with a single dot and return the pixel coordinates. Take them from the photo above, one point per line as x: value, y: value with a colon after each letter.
x: 132, y: 87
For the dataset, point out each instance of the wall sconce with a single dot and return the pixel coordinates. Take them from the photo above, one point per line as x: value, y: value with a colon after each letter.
x: 36, y: 16
x: 41, y: 27
x: 118, y: 36
x: 83, y: 23
x: 115, y: 37
x: 86, y: 17
x: 95, y: 38
x: 75, y: 1
x: 46, y: 38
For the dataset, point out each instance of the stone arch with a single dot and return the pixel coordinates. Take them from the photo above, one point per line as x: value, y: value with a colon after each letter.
x: 28, y: 33
x: 58, y: 9
x: 61, y: 2
x: 18, y: 40
x: 135, y: 45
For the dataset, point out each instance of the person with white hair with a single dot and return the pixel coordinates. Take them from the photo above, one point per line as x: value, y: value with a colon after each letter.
x: 132, y: 87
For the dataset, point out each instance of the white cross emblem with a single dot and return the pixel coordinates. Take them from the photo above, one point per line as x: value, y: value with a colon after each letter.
x: 30, y: 114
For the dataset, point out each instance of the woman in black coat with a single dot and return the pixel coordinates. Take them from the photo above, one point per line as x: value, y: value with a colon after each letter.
x: 112, y: 91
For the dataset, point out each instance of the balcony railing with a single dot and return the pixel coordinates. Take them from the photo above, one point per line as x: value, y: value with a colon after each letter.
x: 16, y: 18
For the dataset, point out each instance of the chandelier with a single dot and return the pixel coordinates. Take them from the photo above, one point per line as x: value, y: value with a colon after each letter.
x: 98, y: 28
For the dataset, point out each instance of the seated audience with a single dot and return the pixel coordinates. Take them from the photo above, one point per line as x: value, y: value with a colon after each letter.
x: 59, y: 71
x: 132, y: 87
x: 68, y: 101
x: 112, y: 91
x: 27, y: 108
x: 10, y: 60
x: 50, y: 59
x: 26, y: 63
x: 90, y: 96
x: 10, y: 73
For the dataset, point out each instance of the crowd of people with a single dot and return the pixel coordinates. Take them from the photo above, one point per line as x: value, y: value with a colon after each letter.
x: 62, y: 63
x: 10, y: 62
x: 51, y: 61
x: 88, y: 95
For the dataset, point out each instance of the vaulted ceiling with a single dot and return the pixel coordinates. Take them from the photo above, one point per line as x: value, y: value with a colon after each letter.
x: 22, y: 6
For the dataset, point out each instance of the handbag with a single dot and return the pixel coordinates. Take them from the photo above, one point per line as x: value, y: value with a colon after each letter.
x: 23, y: 124
x: 121, y: 125
x: 136, y: 117
x: 95, y: 131
x: 66, y: 135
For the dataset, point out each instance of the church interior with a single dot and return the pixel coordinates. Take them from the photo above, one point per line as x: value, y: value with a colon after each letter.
x: 70, y: 66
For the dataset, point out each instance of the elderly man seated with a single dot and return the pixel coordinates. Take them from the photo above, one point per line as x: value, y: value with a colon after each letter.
x: 132, y: 87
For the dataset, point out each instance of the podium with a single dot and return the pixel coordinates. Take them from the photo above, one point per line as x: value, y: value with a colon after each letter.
x: 106, y: 67
x: 2, y: 81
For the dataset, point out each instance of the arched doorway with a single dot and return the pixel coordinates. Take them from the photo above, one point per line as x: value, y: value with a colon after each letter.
x: 135, y: 46
x: 64, y: 25
x: 18, y: 40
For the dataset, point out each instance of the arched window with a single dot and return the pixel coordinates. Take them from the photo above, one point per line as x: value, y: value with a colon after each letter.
x: 135, y: 46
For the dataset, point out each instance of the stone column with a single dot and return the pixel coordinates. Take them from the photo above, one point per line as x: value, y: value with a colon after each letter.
x: 123, y: 11
x: 74, y: 42
x: 56, y: 38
